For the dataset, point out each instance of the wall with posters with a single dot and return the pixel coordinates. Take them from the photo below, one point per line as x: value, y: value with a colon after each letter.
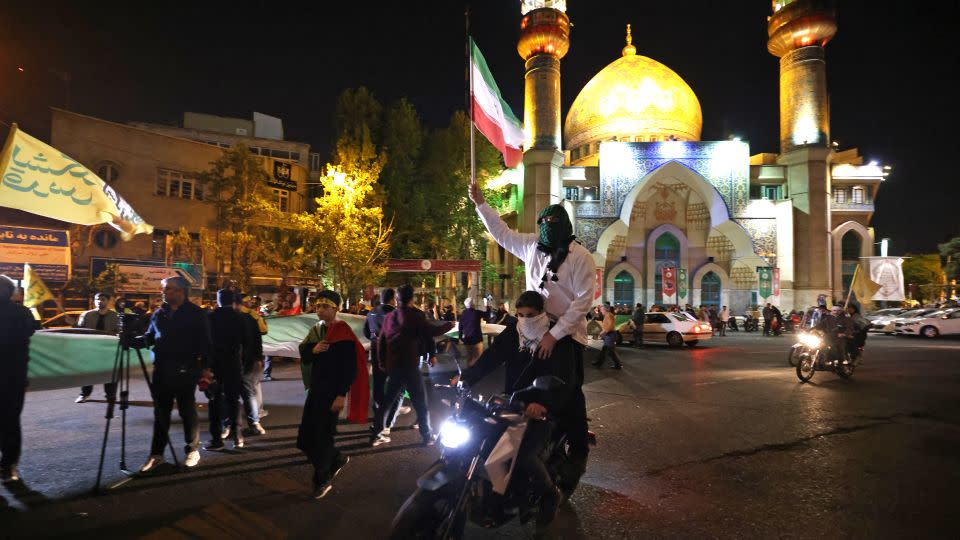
x: 47, y: 250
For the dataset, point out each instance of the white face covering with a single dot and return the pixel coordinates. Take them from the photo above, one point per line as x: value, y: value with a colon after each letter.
x: 531, y: 329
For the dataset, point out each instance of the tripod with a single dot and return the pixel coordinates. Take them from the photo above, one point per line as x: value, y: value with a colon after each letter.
x: 120, y: 380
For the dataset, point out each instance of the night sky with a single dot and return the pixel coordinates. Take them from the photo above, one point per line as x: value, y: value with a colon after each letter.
x: 891, y: 72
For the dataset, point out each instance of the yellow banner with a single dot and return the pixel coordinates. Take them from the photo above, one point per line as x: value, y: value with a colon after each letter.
x: 37, y: 178
x: 35, y: 291
x: 863, y: 286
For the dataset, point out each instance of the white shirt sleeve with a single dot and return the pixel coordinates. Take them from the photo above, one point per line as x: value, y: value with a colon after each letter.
x: 515, y: 242
x: 584, y: 281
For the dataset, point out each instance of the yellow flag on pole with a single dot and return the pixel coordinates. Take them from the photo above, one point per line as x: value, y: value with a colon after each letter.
x: 37, y: 178
x: 863, y: 286
x: 35, y: 291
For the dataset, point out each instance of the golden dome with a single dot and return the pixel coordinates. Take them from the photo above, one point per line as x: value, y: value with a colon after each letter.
x: 635, y: 98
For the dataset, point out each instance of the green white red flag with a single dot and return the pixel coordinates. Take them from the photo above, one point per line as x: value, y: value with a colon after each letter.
x: 491, y: 114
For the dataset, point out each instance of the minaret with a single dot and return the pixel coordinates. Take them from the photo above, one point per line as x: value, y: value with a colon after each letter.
x: 544, y: 40
x: 798, y: 31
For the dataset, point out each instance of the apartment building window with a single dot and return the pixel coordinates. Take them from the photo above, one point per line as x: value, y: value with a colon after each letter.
x: 572, y: 193
x: 178, y: 184
x: 108, y: 172
x: 282, y: 198
x: 839, y: 196
x: 314, y: 161
x: 857, y: 195
x: 773, y: 193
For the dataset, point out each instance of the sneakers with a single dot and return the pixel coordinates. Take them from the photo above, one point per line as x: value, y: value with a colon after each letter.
x: 225, y: 434
x: 81, y: 399
x: 320, y: 492
x: 378, y: 440
x: 257, y: 429
x: 9, y: 474
x: 266, y: 378
x: 386, y: 431
x: 215, y: 446
x: 192, y: 459
x: 238, y: 442
x: 404, y: 409
x: 618, y: 366
x: 152, y: 463
x: 263, y: 413
x: 428, y: 440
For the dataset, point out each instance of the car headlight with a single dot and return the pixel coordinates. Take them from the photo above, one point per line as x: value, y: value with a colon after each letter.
x: 810, y: 340
x: 453, y: 435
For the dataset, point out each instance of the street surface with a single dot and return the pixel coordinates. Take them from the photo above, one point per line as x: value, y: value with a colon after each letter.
x: 719, y: 441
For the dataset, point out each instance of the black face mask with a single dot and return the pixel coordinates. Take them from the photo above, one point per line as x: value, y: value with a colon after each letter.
x: 555, y: 236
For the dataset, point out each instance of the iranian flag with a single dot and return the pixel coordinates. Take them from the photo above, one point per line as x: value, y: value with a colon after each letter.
x: 491, y: 113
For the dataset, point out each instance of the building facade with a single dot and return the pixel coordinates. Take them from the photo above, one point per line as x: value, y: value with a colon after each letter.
x: 645, y: 192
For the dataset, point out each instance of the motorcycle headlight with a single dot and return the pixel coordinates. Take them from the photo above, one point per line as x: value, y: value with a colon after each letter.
x: 453, y: 435
x: 809, y: 340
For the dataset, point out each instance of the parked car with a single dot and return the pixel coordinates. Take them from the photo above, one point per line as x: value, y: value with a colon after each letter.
x: 674, y: 329
x: 884, y: 313
x: 67, y: 319
x: 931, y: 325
x: 888, y: 325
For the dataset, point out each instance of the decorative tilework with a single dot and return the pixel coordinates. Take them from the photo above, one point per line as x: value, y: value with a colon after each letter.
x: 763, y: 233
x: 589, y: 230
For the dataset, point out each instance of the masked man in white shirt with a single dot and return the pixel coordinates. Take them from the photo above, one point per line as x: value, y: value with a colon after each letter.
x: 563, y: 272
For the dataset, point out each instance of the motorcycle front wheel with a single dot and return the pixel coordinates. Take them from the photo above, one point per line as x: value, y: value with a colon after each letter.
x: 792, y: 355
x: 806, y: 367
x: 846, y: 370
x: 421, y: 516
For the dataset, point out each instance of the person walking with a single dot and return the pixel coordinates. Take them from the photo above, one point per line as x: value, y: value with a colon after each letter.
x: 254, y: 362
x: 608, y: 334
x: 102, y: 319
x: 564, y: 272
x: 471, y: 333
x: 231, y: 338
x: 401, y: 344
x: 16, y: 327
x: 371, y: 330
x: 179, y: 333
x: 724, y: 319
x: 337, y: 364
x: 637, y: 320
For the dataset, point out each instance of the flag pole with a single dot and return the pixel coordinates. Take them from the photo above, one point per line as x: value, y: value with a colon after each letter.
x: 852, y: 281
x: 473, y: 161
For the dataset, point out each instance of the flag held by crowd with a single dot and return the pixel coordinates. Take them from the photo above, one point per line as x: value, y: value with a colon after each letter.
x: 491, y: 114
x: 37, y: 178
x: 35, y: 291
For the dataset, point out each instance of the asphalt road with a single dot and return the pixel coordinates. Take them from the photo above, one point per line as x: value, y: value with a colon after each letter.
x: 718, y: 441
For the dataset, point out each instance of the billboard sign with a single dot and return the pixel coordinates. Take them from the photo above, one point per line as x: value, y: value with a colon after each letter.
x: 47, y: 251
x: 145, y: 276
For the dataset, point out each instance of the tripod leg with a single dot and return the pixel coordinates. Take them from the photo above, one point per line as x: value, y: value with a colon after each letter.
x: 111, y: 401
x: 146, y: 377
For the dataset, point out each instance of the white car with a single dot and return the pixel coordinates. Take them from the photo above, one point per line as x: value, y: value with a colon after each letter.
x: 931, y: 325
x: 888, y: 324
x: 674, y: 329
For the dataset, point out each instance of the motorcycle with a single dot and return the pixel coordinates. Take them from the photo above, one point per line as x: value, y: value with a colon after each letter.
x: 473, y: 477
x: 816, y: 355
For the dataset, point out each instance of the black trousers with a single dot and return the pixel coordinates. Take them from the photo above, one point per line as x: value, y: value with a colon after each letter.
x: 530, y: 457
x: 380, y: 396
x: 323, y: 453
x: 13, y: 388
x: 766, y: 326
x: 86, y: 390
x: 397, y: 380
x: 166, y: 388
x: 225, y: 395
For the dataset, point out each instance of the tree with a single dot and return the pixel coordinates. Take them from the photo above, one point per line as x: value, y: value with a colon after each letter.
x: 403, y: 137
x: 236, y: 185
x: 108, y: 281
x: 287, y: 250
x: 950, y: 251
x: 924, y: 271
x: 347, y: 230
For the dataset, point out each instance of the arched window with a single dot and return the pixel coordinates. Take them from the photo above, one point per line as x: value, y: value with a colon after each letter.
x: 666, y: 252
x: 623, y: 289
x: 108, y: 172
x: 850, y: 246
x: 710, y: 290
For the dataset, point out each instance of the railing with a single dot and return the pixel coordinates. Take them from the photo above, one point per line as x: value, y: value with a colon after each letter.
x: 865, y: 206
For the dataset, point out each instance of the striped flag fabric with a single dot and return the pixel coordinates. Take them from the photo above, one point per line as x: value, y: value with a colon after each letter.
x: 491, y: 114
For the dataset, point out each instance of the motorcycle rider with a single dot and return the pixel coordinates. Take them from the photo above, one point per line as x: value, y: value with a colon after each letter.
x: 855, y: 329
x: 515, y: 346
x: 829, y: 324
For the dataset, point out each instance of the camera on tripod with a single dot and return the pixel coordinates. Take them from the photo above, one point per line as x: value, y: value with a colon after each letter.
x: 129, y: 330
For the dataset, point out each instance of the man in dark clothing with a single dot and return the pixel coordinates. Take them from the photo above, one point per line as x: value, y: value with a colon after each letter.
x: 637, y: 319
x: 232, y: 338
x: 102, y: 319
x: 401, y: 344
x: 179, y: 333
x: 371, y: 330
x: 767, y: 314
x: 776, y: 320
x: 471, y: 333
x: 16, y: 327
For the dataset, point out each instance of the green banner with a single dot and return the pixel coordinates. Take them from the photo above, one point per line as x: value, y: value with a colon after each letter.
x: 765, y: 274
x: 681, y: 284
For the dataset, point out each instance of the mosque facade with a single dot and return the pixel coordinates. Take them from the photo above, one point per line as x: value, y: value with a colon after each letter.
x: 645, y: 192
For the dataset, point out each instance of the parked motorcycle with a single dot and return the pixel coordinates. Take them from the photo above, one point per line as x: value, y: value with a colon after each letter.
x: 473, y: 477
x: 816, y: 355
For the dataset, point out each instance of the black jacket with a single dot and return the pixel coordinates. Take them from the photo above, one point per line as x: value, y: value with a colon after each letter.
x: 371, y: 327
x: 236, y: 341
x: 16, y: 326
x: 333, y: 371
x: 180, y: 339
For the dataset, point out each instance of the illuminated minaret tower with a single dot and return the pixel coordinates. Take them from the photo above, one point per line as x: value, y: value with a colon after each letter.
x: 544, y: 40
x: 798, y: 31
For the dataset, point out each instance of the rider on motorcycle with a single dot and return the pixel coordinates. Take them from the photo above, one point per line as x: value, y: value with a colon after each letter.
x: 830, y: 325
x: 855, y: 328
x: 515, y: 347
